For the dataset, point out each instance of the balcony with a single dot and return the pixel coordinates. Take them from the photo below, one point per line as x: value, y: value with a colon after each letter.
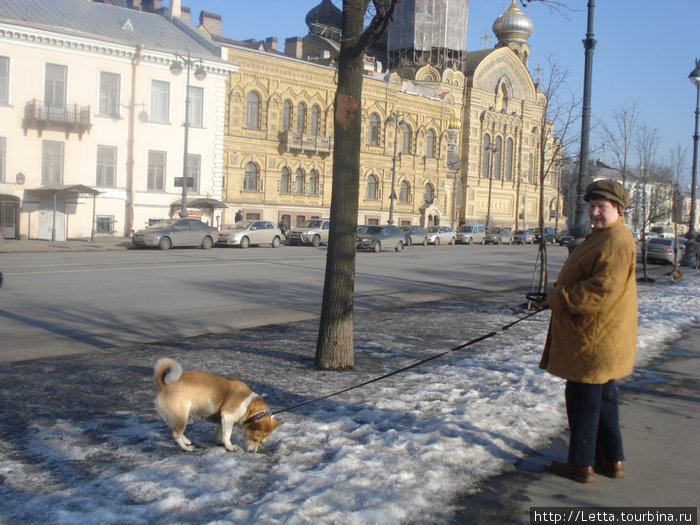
x: 306, y: 143
x: 70, y: 118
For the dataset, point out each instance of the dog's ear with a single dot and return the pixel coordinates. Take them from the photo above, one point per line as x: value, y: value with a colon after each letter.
x: 278, y: 423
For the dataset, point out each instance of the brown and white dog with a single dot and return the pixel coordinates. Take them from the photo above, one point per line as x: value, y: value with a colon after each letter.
x: 182, y: 397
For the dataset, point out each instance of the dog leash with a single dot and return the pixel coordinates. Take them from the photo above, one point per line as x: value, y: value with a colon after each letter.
x: 400, y: 370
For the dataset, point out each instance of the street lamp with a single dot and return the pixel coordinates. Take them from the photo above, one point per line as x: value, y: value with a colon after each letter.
x: 492, y: 149
x: 200, y: 74
x: 691, y: 247
x: 393, y: 118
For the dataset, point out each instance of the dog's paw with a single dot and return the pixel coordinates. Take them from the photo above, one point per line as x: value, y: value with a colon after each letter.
x: 185, y: 444
x: 232, y: 448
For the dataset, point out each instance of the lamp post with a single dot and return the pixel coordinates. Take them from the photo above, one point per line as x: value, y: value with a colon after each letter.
x: 581, y: 226
x: 393, y: 118
x: 492, y: 149
x: 453, y: 159
x: 691, y: 247
x: 199, y: 74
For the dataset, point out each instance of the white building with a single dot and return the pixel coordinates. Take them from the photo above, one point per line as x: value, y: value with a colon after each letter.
x: 92, y: 140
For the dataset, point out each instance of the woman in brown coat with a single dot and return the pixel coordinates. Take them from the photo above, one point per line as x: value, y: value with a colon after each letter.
x: 592, y: 336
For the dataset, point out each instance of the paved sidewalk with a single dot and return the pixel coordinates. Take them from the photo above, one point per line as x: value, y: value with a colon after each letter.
x: 72, y: 245
x: 660, y: 420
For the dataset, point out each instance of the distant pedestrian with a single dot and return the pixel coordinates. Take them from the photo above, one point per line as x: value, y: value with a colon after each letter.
x: 239, y: 216
x: 592, y: 335
x: 283, y: 228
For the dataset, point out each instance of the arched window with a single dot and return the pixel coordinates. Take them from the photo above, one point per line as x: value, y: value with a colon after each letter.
x: 497, y: 156
x: 301, y: 117
x: 405, y: 193
x: 372, y: 189
x: 315, y: 119
x: 251, y: 178
x: 299, y: 180
x: 285, y: 181
x: 313, y: 183
x: 252, y: 115
x: 429, y: 193
x: 405, y: 137
x: 509, y: 159
x: 373, y: 131
x: 430, y: 143
x: 486, y: 158
x: 530, y: 168
x: 287, y: 115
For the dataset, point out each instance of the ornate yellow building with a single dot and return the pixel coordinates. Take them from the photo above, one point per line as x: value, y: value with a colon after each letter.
x: 279, y: 132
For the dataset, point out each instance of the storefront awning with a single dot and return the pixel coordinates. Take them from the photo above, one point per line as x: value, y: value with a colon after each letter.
x: 206, y: 204
x: 56, y: 189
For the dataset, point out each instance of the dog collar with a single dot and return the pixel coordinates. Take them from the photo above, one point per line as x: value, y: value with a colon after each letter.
x: 261, y: 415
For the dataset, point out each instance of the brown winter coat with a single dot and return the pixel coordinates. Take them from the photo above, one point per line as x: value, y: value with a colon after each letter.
x: 593, y: 332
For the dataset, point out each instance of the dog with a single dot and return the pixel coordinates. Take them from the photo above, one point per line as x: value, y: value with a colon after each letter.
x: 184, y: 396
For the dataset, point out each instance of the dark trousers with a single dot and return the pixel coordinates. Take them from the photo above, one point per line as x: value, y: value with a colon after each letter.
x: 593, y: 420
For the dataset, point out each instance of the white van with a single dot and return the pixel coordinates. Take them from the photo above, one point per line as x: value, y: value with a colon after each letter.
x: 471, y: 233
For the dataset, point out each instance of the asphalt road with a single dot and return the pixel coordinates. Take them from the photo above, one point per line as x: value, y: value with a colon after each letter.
x: 64, y: 303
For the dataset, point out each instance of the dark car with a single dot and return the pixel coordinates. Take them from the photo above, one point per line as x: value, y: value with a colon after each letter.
x: 498, y: 236
x: 377, y: 238
x: 414, y: 235
x: 549, y: 235
x: 524, y: 237
x: 176, y: 232
x: 564, y: 237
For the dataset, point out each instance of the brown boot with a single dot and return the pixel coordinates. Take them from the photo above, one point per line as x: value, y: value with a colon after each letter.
x: 611, y: 469
x: 566, y: 469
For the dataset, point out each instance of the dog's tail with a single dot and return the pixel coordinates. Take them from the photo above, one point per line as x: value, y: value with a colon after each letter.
x: 166, y: 371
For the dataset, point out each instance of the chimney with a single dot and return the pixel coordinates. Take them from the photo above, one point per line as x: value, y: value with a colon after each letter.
x: 186, y: 14
x: 175, y: 9
x: 271, y: 43
x: 211, y: 22
x: 293, y: 47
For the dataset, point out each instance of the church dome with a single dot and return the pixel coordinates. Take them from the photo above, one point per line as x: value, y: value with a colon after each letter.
x: 513, y: 25
x: 325, y: 14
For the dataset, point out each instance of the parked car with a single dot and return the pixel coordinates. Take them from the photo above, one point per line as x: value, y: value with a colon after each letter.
x: 377, y: 238
x: 471, y: 233
x: 2, y: 235
x: 176, y: 232
x: 313, y: 232
x: 549, y: 235
x: 498, y: 236
x: 251, y: 233
x: 524, y: 237
x: 564, y: 237
x: 660, y: 249
x: 414, y: 235
x: 441, y: 235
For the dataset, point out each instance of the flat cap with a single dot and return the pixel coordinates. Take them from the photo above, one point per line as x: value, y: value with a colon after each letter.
x: 608, y: 189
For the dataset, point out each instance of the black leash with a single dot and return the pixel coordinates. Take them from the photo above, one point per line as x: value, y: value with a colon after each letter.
x: 418, y: 363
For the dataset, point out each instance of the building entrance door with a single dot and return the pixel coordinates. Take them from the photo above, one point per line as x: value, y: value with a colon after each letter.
x: 9, y: 214
x: 46, y: 219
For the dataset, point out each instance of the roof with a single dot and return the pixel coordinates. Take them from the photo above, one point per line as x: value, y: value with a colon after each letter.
x: 473, y: 59
x: 119, y: 25
x: 66, y: 188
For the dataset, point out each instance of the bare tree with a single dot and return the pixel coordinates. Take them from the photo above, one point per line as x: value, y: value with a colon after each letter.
x: 334, y: 347
x: 646, y: 141
x: 618, y: 137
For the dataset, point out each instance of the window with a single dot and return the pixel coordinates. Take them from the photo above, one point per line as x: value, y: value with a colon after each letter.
x: 52, y: 162
x: 104, y: 224
x: 252, y: 114
x: 486, y: 158
x: 3, y: 156
x: 156, y: 170
x: 405, y: 138
x: 373, y: 132
x: 194, y: 165
x: 250, y: 179
x: 301, y: 117
x: 106, y: 166
x: 315, y: 119
x: 4, y: 80
x: 299, y: 180
x: 196, y: 112
x: 109, y: 94
x: 55, y: 86
x: 160, y: 101
x: 285, y: 181
x: 430, y: 143
x: 429, y: 193
x: 372, y: 190
x: 509, y: 159
x: 530, y: 168
x: 287, y: 115
x: 405, y: 193
x: 497, y: 158
x: 313, y: 183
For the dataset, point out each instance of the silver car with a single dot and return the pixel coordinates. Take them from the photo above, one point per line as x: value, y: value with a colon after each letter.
x: 176, y: 232
x: 247, y: 233
x: 415, y: 235
x: 662, y: 250
x: 441, y: 235
x: 498, y: 236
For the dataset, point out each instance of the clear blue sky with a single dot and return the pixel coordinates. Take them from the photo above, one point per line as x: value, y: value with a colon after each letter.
x: 644, y: 53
